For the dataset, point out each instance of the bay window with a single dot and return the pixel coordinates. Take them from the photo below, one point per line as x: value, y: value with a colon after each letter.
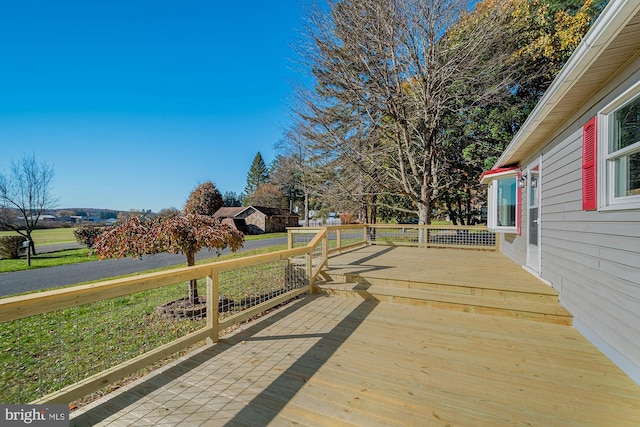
x: 503, y: 200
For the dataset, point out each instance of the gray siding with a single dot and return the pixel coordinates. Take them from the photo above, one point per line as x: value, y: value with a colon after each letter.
x: 591, y: 257
x: 513, y: 247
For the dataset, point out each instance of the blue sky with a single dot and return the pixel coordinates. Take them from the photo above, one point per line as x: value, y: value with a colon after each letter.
x: 135, y: 103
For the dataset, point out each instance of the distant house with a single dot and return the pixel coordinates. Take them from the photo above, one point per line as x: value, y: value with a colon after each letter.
x: 565, y: 194
x: 257, y: 219
x: 44, y: 218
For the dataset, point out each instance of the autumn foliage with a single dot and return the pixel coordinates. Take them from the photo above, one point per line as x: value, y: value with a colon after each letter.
x: 204, y: 200
x: 186, y: 233
x: 87, y: 234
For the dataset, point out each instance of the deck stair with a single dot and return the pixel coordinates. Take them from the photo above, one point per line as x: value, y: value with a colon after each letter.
x: 531, y: 304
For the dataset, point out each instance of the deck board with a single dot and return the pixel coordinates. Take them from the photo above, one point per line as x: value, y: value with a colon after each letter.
x: 332, y: 360
x: 345, y: 361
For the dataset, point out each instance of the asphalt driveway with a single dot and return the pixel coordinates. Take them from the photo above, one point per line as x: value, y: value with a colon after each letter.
x: 44, y: 278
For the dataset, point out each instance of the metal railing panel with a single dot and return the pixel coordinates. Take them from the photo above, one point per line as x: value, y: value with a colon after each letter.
x: 59, y: 345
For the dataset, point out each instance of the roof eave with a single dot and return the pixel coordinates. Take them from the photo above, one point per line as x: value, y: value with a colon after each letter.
x: 612, y: 20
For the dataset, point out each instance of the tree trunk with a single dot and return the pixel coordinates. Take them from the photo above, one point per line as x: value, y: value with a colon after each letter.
x: 32, y: 245
x: 306, y: 208
x: 374, y: 210
x: 424, y: 205
x: 193, y: 283
x: 460, y: 210
x: 452, y: 213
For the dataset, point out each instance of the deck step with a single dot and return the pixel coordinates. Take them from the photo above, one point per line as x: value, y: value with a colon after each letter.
x: 491, y: 305
x: 542, y: 295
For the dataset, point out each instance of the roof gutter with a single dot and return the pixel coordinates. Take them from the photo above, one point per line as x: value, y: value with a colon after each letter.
x: 611, y: 21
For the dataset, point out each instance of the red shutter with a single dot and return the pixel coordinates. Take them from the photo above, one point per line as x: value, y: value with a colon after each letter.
x: 589, y: 162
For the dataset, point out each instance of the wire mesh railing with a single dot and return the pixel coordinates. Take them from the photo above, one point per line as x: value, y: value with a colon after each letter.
x: 58, y: 346
x: 243, y: 288
x: 432, y: 236
x: 301, y: 237
x: 46, y: 352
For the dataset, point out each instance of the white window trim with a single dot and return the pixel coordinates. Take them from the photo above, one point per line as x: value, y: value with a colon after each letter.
x: 606, y: 179
x: 492, y: 212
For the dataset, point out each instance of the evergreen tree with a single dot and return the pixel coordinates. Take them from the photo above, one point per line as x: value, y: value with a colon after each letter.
x: 231, y: 199
x: 258, y: 174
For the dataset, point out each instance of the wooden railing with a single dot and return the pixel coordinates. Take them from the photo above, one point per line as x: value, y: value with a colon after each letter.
x: 433, y: 236
x: 60, y: 345
x: 344, y: 237
x: 339, y: 237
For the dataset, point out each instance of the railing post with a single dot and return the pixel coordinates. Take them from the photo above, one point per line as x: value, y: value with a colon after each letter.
x: 325, y: 246
x: 212, y: 306
x: 290, y: 239
x: 427, y: 236
x: 366, y: 233
x: 310, y: 267
x: 338, y: 239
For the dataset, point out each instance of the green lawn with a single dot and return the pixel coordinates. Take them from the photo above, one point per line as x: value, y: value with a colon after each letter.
x: 48, y: 236
x: 48, y: 259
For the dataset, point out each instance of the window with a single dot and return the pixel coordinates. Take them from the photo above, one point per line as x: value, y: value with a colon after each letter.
x: 503, y: 200
x: 620, y: 146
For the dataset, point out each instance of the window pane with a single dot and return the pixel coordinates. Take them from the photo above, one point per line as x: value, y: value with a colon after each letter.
x: 533, y: 183
x: 507, y: 202
x: 627, y: 172
x: 626, y: 126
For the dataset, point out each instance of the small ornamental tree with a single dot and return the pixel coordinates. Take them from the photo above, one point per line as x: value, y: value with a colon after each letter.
x: 87, y: 234
x: 267, y: 195
x: 187, y: 234
x: 204, y: 200
x: 10, y: 246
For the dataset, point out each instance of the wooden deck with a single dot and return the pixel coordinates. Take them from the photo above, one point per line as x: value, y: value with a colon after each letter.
x: 483, y: 282
x: 331, y: 360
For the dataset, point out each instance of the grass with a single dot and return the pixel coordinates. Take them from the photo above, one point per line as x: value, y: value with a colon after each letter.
x: 44, y: 353
x: 48, y: 259
x: 48, y: 236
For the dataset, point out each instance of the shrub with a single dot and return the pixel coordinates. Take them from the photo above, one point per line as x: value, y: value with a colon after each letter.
x: 87, y: 234
x: 11, y: 246
x: 346, y: 218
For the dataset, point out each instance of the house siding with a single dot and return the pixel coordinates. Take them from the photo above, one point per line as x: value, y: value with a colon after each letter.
x: 591, y: 257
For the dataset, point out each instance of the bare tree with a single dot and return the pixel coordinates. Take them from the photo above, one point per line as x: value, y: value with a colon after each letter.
x: 25, y: 193
x: 298, y: 166
x: 387, y: 72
